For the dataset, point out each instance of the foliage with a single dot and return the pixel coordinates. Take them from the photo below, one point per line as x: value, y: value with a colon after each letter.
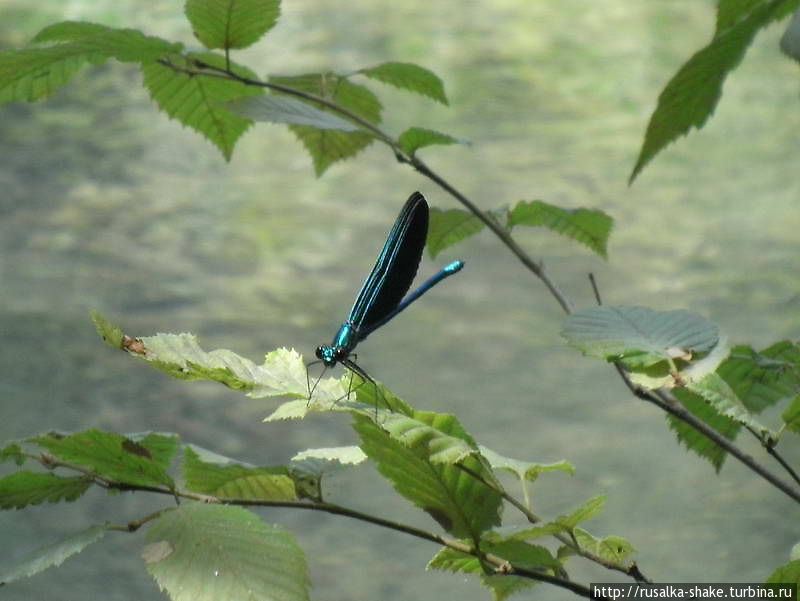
x: 204, y: 543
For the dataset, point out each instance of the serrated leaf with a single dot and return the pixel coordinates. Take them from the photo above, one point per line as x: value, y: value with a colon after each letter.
x: 448, y: 228
x: 524, y: 470
x: 51, y: 555
x: 614, y: 549
x: 791, y: 415
x: 350, y: 455
x: 281, y: 109
x: 199, y: 102
x: 411, y: 77
x: 539, y: 531
x: 231, y: 24
x: 694, y: 440
x: 200, y: 552
x: 716, y: 391
x: 415, y: 138
x: 161, y: 448
x: 518, y: 553
x: 428, y: 432
x: 764, y: 378
x: 236, y: 481
x: 24, y: 488
x: 329, y: 146
x: 590, y: 227
x: 12, y: 452
x: 461, y: 503
x: 111, y: 334
x: 691, y: 96
x: 282, y: 373
x: 592, y: 508
x: 638, y: 336
x: 111, y: 455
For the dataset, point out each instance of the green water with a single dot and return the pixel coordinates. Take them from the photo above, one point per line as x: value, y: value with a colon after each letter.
x: 108, y: 205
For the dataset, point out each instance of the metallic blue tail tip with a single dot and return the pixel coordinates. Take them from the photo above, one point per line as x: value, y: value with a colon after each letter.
x: 453, y: 267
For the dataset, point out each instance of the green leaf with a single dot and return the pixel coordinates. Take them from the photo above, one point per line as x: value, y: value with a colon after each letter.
x: 614, y: 549
x: 448, y: 228
x: 590, y: 227
x: 231, y: 23
x: 638, y: 336
x: 592, y: 508
x: 764, y: 378
x: 111, y: 334
x: 518, y: 553
x: 51, y: 555
x: 415, y: 138
x: 124, y: 45
x: 791, y: 415
x: 437, y: 435
x: 327, y: 146
x: 282, y: 373
x: 730, y: 12
x: 200, y: 552
x: 236, y: 481
x: 199, y: 102
x: 161, y: 448
x: 25, y: 488
x: 694, y: 440
x: 12, y: 452
x: 722, y: 398
x: 786, y: 574
x: 524, y: 470
x: 463, y: 504
x: 350, y: 455
x: 547, y: 529
x: 281, y: 109
x: 408, y: 76
x: 111, y: 455
x: 691, y: 96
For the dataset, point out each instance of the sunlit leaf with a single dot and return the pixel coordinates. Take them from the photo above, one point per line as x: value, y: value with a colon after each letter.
x: 199, y: 102
x: 592, y: 508
x: 590, y: 227
x: 235, y: 481
x: 614, y: 549
x: 448, y: 228
x: 231, y: 23
x: 719, y: 395
x: 408, y: 76
x: 691, y: 96
x: 200, y: 552
x: 415, y: 138
x: 524, y: 470
x: 350, y: 455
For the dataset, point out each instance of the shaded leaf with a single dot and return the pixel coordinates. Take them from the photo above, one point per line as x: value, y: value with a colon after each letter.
x: 51, y: 555
x: 590, y: 227
x: 415, y: 138
x: 691, y: 96
x: 694, y: 440
x: 281, y: 109
x: 785, y: 574
x: 763, y: 378
x: 448, y: 228
x: 200, y: 552
x: 199, y: 102
x: 12, y: 452
x: 329, y: 146
x: 791, y: 415
x: 236, y: 481
x: 107, y: 453
x: 408, y: 76
x: 231, y: 23
x: 24, y: 488
x: 638, y: 336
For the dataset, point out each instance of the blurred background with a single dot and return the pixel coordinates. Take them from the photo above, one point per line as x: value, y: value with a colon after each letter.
x: 108, y: 205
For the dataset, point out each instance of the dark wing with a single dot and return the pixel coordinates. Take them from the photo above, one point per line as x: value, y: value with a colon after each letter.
x: 395, y: 268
